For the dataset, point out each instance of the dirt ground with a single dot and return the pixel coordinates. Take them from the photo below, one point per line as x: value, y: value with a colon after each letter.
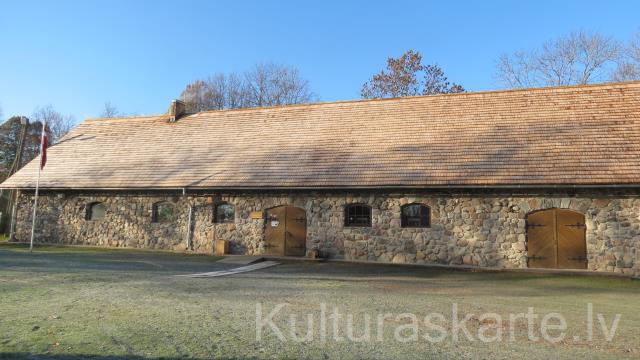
x: 67, y: 303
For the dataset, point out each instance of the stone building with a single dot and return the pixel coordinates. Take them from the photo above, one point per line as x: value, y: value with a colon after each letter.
x: 524, y: 178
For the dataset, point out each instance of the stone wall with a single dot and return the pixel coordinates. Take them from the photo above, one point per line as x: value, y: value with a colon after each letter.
x: 466, y: 229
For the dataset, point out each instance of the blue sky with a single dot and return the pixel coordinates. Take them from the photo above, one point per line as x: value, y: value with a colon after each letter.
x: 76, y: 55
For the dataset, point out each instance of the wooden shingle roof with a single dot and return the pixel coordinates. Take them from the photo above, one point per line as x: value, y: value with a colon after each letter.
x: 584, y: 135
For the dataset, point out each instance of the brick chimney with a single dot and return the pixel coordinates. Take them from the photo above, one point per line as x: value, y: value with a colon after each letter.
x: 176, y: 110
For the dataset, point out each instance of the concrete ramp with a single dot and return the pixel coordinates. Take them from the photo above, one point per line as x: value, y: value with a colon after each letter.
x: 239, y: 270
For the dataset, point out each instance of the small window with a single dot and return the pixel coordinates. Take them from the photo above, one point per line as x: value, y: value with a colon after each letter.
x: 95, y: 211
x: 162, y: 212
x: 415, y: 215
x: 357, y: 215
x: 224, y: 213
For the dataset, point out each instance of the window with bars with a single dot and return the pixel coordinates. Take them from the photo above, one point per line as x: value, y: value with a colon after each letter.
x: 416, y: 216
x: 357, y: 215
x: 224, y: 213
x: 162, y: 212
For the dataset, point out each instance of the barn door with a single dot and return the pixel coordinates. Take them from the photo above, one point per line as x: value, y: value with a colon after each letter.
x: 295, y: 232
x: 572, y: 245
x: 275, y: 230
x: 541, y: 236
x: 556, y: 239
x: 286, y: 231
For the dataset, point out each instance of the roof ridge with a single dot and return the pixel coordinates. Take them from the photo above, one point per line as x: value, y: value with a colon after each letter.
x: 403, y: 98
x: 135, y: 117
x: 624, y: 84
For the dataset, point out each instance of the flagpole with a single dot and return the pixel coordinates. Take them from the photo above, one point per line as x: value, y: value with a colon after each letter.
x: 35, y: 201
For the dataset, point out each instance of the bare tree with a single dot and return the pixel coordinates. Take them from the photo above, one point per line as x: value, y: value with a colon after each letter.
x: 208, y: 94
x: 109, y: 111
x: 235, y: 92
x: 634, y: 48
x: 270, y: 84
x: 407, y: 76
x: 626, y: 71
x: 629, y: 68
x: 579, y: 58
x: 266, y: 84
x: 517, y: 70
x: 57, y: 123
x: 196, y: 96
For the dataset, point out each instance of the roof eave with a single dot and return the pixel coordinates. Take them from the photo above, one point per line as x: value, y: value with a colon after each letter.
x: 342, y: 187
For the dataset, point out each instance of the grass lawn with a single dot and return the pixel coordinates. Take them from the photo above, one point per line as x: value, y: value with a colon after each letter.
x: 64, y: 303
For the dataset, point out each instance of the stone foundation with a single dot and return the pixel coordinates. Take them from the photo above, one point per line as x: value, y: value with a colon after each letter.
x: 466, y: 229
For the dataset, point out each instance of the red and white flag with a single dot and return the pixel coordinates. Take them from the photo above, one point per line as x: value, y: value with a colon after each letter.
x: 44, y: 145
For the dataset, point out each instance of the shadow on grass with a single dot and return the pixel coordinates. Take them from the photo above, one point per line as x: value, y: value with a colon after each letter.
x: 70, y: 249
x: 56, y: 259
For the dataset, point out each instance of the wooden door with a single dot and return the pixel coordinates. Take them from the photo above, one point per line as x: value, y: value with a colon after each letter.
x: 286, y: 231
x: 275, y: 230
x: 556, y: 239
x: 572, y: 245
x: 541, y: 238
x: 295, y: 232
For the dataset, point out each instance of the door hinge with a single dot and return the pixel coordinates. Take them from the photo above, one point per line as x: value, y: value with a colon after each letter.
x: 534, y: 257
x: 578, y: 225
x: 577, y: 258
x: 528, y: 225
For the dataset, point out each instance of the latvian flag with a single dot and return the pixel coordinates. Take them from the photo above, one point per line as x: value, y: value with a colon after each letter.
x: 44, y: 145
